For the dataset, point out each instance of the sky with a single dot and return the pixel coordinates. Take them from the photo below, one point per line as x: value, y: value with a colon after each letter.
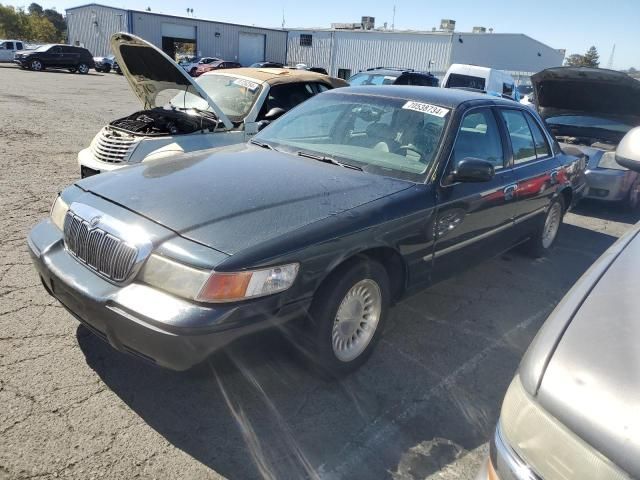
x: 570, y: 24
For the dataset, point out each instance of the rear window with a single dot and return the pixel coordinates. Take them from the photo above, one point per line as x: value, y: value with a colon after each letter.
x: 457, y: 80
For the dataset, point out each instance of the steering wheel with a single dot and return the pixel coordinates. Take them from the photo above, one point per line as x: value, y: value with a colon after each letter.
x: 410, y: 148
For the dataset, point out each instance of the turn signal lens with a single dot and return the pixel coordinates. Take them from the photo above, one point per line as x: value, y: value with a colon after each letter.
x: 58, y: 212
x: 230, y: 287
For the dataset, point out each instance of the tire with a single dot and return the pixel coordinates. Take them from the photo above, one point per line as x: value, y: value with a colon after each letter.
x: 335, y: 344
x: 106, y: 69
x: 72, y: 70
x: 632, y: 202
x: 36, y: 65
x: 83, y: 68
x: 546, y: 233
x: 192, y: 72
x: 99, y: 70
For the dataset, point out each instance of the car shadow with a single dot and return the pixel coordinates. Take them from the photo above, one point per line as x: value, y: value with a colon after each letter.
x: 611, y: 211
x: 428, y: 396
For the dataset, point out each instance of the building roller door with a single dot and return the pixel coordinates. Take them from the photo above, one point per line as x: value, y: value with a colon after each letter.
x: 251, y: 48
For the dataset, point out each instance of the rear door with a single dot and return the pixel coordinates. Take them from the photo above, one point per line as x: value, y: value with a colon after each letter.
x: 536, y: 168
x: 474, y: 220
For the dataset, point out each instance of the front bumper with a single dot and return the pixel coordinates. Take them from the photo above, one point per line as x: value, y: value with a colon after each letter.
x: 140, y: 320
x: 608, y: 184
x: 504, y: 463
x: 20, y: 61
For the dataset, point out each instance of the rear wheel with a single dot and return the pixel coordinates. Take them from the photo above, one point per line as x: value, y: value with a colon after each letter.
x: 36, y: 65
x: 546, y: 233
x: 106, y: 69
x: 347, y: 317
x: 83, y: 68
x: 633, y: 198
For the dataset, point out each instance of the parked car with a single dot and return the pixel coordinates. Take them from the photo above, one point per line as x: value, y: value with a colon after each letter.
x: 571, y: 410
x: 8, y: 49
x: 393, y: 76
x: 592, y: 109
x: 67, y: 57
x: 328, y: 216
x: 104, y: 64
x: 219, y: 108
x: 482, y: 79
x: 214, y: 65
x: 267, y: 65
x: 193, y: 66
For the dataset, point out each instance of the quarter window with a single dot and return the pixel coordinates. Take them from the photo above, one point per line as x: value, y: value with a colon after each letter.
x: 306, y: 40
x: 542, y: 147
x: 479, y: 138
x: 522, y: 142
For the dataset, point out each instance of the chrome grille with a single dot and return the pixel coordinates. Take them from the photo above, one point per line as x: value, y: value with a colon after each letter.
x: 112, y: 146
x: 97, y: 249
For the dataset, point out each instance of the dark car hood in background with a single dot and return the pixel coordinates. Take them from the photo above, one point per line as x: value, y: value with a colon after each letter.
x: 234, y: 200
x: 587, y: 91
x: 592, y: 381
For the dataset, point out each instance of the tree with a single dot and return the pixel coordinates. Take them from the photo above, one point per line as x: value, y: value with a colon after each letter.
x: 591, y: 58
x: 575, y: 60
x: 41, y: 30
x: 35, y: 9
x: 633, y: 70
x: 34, y: 25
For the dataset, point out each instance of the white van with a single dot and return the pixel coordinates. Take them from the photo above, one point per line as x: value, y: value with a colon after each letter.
x: 488, y: 80
x: 8, y: 49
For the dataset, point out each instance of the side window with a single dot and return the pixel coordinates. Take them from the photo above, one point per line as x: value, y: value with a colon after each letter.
x: 522, y: 143
x: 542, y: 147
x: 55, y: 50
x: 403, y: 79
x: 507, y: 89
x: 8, y: 45
x: 479, y: 137
x: 344, y: 73
x: 321, y: 87
x: 19, y: 46
x: 287, y: 96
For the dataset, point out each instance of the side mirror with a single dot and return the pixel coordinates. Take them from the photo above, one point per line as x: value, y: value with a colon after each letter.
x: 628, y: 151
x: 473, y: 170
x: 274, y: 113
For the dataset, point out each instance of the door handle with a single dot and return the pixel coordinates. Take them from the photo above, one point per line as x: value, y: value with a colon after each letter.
x: 509, y: 191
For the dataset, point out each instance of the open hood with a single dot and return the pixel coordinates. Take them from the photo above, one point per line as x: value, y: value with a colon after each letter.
x: 150, y: 71
x: 587, y: 91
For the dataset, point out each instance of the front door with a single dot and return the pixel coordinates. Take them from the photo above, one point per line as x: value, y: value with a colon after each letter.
x: 474, y: 220
x: 7, y: 51
x: 53, y: 57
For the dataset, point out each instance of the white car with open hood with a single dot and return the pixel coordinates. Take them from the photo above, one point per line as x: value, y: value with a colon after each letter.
x: 182, y: 114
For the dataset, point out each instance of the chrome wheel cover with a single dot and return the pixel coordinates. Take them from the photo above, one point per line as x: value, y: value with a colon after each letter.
x: 83, y: 68
x: 36, y: 65
x: 551, y: 224
x: 356, y: 320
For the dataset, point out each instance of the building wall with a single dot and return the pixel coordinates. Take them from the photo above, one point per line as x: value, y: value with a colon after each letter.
x: 515, y: 53
x: 358, y: 50
x: 225, y: 45
x: 93, y: 25
x: 148, y: 25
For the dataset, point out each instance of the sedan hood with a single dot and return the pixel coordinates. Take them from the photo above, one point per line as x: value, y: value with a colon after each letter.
x: 592, y: 381
x: 150, y: 71
x: 587, y: 91
x: 231, y: 201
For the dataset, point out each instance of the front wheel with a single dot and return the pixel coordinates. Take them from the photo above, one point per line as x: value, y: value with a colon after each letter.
x: 546, y: 233
x: 83, y: 68
x: 347, y: 317
x: 36, y: 65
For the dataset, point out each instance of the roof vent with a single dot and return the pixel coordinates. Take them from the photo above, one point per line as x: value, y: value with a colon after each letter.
x: 447, y: 25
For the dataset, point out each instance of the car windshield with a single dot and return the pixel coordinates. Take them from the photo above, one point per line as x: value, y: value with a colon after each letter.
x: 371, y: 79
x: 457, y: 80
x: 234, y: 95
x: 386, y: 136
x: 587, y: 121
x: 525, y: 89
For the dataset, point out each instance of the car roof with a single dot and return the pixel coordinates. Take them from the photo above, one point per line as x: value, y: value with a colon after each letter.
x: 446, y: 97
x: 278, y: 76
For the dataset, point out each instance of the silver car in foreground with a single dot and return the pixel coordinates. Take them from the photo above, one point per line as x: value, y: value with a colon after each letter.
x: 592, y: 109
x: 573, y: 409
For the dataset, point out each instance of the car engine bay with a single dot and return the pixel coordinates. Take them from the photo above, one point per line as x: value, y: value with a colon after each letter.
x: 162, y: 122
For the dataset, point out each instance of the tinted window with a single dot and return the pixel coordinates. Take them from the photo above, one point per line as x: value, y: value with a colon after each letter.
x: 69, y: 50
x: 19, y: 45
x: 8, y: 45
x: 423, y: 80
x: 479, y: 137
x: 465, y: 81
x: 55, y: 50
x: 542, y: 147
x: 288, y: 96
x: 521, y: 140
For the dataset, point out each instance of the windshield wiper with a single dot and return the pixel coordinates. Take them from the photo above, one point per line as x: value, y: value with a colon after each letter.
x: 262, y: 144
x: 325, y: 159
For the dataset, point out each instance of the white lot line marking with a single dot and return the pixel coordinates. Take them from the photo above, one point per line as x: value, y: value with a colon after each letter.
x: 376, y: 434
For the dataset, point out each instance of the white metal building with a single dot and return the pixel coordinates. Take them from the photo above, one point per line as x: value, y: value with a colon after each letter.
x: 345, y: 52
x: 92, y: 25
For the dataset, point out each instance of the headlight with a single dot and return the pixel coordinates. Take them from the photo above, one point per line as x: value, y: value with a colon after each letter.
x: 608, y: 160
x: 58, y: 212
x: 547, y: 445
x: 216, y: 287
